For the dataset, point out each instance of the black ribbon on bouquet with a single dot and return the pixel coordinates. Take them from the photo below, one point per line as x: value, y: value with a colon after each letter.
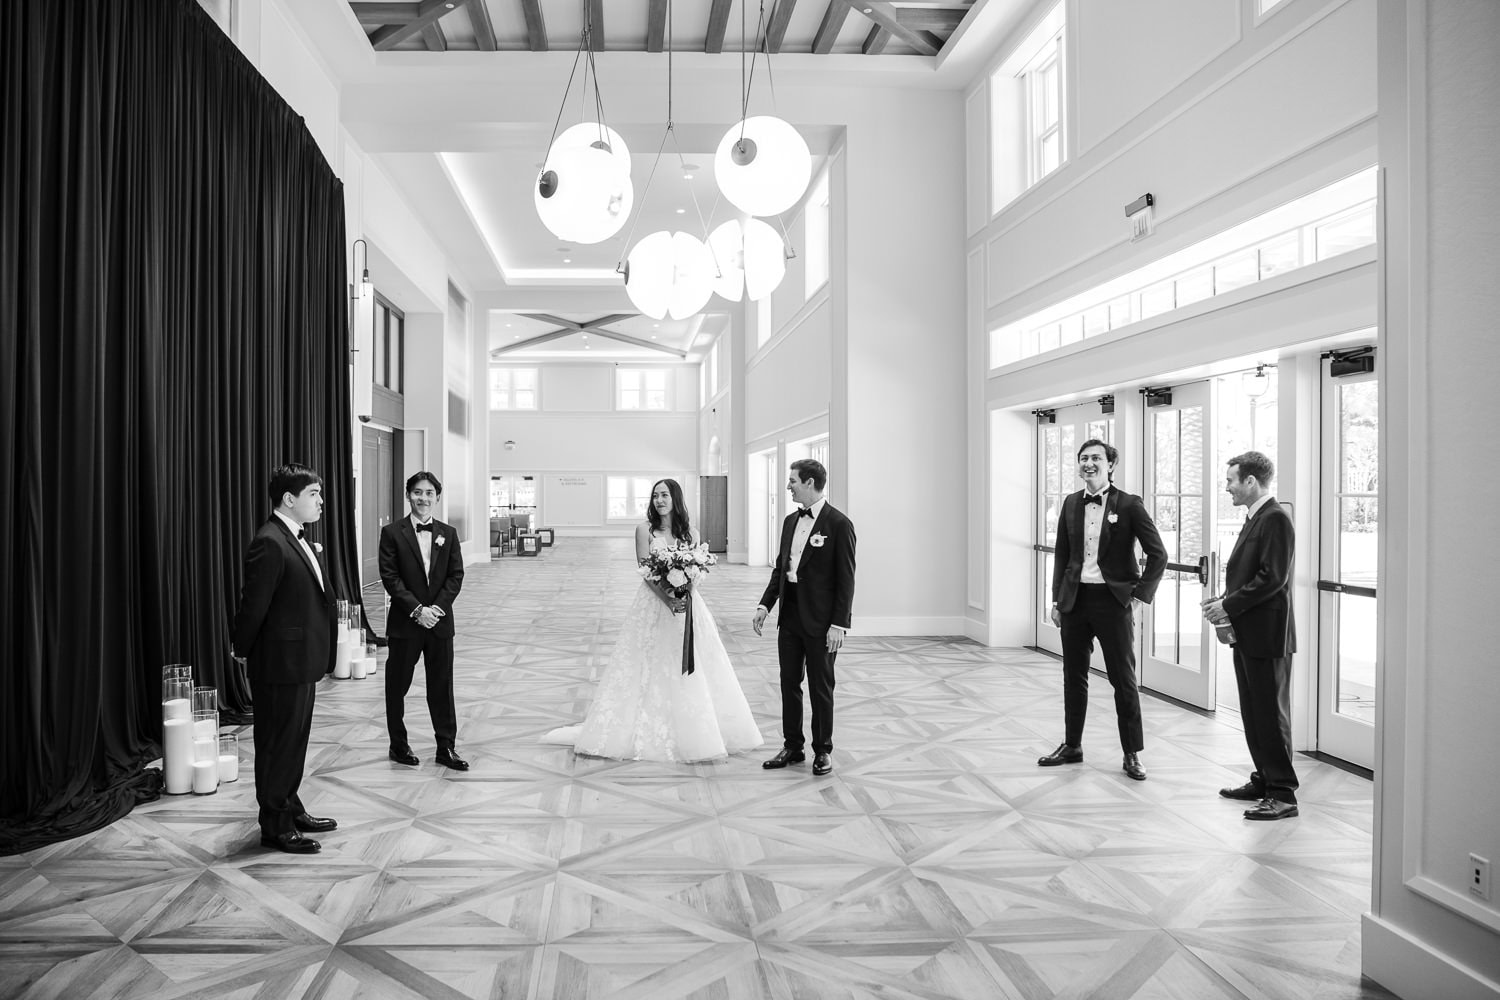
x: 687, y: 635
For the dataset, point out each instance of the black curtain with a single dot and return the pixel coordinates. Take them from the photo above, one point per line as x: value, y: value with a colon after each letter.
x: 173, y: 324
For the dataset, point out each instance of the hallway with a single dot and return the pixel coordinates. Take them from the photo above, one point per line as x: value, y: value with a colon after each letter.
x: 936, y: 861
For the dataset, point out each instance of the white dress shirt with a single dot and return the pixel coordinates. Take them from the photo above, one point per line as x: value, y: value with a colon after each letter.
x: 312, y: 556
x: 1093, y: 523
x: 800, y: 534
x: 424, y: 543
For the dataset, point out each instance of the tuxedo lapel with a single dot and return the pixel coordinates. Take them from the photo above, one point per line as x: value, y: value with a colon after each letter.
x: 1111, y: 501
x: 409, y: 536
x: 296, y: 544
x: 439, y: 554
x: 817, y: 523
x: 1075, y: 524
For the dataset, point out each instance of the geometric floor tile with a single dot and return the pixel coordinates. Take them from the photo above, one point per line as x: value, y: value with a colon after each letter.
x: 937, y: 861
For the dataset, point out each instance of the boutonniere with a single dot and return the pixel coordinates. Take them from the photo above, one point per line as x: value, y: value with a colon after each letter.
x: 441, y: 539
x: 1113, y: 517
x: 318, y: 547
x: 816, y: 541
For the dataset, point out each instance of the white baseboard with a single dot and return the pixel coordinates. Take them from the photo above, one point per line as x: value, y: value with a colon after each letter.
x: 936, y: 625
x: 1412, y: 969
x: 740, y: 556
x: 977, y: 630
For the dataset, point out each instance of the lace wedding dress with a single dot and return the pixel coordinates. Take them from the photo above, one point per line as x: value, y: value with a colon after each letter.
x: 646, y: 708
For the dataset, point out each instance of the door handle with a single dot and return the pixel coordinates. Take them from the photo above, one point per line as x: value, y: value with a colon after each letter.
x: 1203, y: 570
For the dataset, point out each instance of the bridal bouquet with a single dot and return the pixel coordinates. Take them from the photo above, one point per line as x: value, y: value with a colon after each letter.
x: 672, y: 572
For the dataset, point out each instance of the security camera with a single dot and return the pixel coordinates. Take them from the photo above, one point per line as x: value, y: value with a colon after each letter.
x: 364, y: 418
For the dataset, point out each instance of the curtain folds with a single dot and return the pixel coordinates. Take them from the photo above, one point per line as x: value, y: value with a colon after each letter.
x: 173, y: 324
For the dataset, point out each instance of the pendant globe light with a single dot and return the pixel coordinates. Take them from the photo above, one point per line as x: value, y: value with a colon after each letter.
x: 762, y: 164
x: 751, y: 259
x: 668, y: 273
x: 583, y: 193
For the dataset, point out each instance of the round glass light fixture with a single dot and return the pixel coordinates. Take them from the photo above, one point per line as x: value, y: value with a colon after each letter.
x: 762, y: 165
x: 751, y: 258
x: 669, y: 274
x: 582, y: 195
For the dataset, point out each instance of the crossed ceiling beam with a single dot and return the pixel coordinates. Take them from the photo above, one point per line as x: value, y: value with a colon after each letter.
x: 567, y: 328
x: 922, y: 25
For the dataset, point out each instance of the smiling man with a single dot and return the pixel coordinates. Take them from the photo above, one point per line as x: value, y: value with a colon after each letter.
x: 423, y: 571
x: 1096, y: 581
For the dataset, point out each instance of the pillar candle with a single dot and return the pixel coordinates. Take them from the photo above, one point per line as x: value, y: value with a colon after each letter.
x: 177, y: 755
x: 357, y: 669
x: 229, y: 767
x: 176, y: 708
x: 341, y: 664
x: 205, y: 777
x: 205, y: 729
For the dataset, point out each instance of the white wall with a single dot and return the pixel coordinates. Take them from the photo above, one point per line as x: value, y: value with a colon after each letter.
x: 791, y: 379
x: 1438, y: 747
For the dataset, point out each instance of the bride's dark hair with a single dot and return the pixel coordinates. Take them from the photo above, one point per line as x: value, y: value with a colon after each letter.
x: 681, y: 530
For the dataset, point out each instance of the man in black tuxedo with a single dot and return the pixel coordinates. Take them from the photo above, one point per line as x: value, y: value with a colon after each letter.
x: 814, y: 580
x: 283, y: 630
x: 1095, y: 582
x: 1257, y: 604
x: 423, y: 570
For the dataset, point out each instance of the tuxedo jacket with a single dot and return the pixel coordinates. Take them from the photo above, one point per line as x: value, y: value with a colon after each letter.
x: 284, y: 625
x: 1125, y: 523
x: 825, y: 575
x: 410, y: 586
x: 1258, y: 585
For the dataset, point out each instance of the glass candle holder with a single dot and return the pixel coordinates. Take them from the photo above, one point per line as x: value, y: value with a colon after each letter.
x: 176, y: 691
x: 205, y: 699
x: 229, y: 758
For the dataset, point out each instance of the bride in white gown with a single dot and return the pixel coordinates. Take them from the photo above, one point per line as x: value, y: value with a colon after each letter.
x: 645, y: 707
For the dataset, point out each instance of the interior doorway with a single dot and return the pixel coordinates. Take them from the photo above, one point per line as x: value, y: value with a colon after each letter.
x: 377, y: 499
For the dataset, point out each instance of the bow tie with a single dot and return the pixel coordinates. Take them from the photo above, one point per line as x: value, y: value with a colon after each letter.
x: 1097, y: 498
x: 804, y: 512
x: 425, y: 527
x: 301, y: 534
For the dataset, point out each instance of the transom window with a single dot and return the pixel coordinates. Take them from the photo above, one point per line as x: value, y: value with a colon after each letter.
x: 512, y: 388
x: 626, y: 497
x: 642, y: 389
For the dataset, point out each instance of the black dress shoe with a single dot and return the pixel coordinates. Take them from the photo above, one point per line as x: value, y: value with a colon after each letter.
x: 821, y: 763
x: 1132, y: 766
x: 450, y: 758
x: 291, y: 843
x: 1248, y: 792
x: 784, y: 758
x: 314, y: 824
x: 1064, y: 754
x: 404, y: 756
x: 1272, y: 809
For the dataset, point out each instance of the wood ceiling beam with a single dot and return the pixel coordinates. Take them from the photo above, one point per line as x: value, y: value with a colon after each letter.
x: 434, y: 38
x: 833, y: 23
x: 776, y: 30
x: 718, y: 22
x: 875, y: 41
x: 883, y: 13
x: 384, y: 13
x: 931, y: 18
x: 596, y: 14
x: 428, y: 12
x: 656, y: 26
x: 568, y: 327
x: 649, y: 345
x: 484, y: 28
x: 536, y: 28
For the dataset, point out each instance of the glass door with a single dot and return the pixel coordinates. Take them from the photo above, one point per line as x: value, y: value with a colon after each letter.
x: 1348, y: 568
x: 514, y: 496
x: 1060, y: 433
x: 1181, y: 481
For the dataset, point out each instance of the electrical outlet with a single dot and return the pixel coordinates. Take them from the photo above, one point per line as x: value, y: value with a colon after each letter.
x: 1479, y: 876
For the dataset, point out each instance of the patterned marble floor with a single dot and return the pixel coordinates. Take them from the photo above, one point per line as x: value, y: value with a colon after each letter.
x: 936, y: 861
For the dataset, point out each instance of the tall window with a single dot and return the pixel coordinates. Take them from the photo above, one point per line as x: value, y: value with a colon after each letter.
x: 1044, y: 137
x: 642, y: 389
x: 387, y: 344
x: 626, y: 497
x: 1028, y: 112
x: 713, y: 370
x: 512, y: 388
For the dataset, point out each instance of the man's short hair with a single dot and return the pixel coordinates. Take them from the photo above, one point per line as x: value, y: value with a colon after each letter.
x: 417, y: 477
x: 291, y: 478
x: 1255, y: 463
x: 1111, y: 453
x: 810, y: 468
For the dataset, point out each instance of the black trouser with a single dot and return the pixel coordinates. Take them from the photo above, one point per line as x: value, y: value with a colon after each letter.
x: 283, y: 720
x: 436, y: 653
x: 1266, y: 711
x: 1097, y: 614
x: 799, y: 652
